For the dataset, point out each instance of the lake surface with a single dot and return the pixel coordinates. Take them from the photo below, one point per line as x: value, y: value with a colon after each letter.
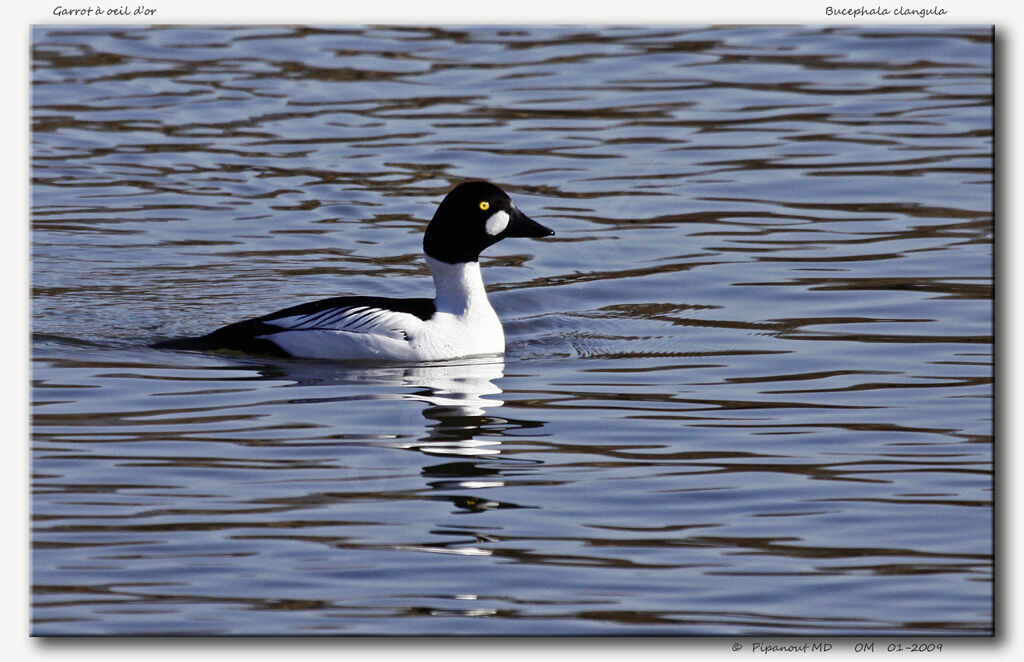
x: 748, y: 385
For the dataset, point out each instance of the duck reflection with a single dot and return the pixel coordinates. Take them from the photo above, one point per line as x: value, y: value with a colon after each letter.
x: 463, y: 404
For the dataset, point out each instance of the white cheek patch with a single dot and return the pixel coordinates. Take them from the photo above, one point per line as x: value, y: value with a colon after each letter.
x: 496, y: 223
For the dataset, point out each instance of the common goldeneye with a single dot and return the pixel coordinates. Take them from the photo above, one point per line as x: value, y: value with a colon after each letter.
x: 459, y: 321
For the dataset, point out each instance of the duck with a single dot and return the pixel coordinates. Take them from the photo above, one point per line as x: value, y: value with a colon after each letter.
x: 458, y: 322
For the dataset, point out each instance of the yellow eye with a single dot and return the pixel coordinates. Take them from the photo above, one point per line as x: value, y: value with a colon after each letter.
x: 485, y: 205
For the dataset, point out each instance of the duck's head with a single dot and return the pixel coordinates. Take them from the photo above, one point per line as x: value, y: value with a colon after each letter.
x: 473, y: 216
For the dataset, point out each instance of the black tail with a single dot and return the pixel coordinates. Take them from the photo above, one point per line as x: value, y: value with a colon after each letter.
x: 199, y: 343
x: 218, y: 341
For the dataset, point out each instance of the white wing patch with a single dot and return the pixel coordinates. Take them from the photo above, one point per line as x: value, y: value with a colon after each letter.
x: 353, y: 319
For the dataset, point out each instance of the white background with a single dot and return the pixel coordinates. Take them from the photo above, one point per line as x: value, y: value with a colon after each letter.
x: 15, y: 19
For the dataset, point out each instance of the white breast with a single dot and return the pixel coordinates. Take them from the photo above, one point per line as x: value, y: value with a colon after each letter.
x: 465, y: 324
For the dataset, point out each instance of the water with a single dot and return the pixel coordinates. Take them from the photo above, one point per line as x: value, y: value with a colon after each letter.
x: 747, y: 388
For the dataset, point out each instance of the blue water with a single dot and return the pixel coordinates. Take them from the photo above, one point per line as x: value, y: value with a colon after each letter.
x: 747, y: 388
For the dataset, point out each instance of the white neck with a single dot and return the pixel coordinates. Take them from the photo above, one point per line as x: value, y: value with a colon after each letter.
x: 460, y: 288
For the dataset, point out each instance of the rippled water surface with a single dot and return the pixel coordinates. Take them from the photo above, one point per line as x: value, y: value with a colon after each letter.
x: 747, y: 387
